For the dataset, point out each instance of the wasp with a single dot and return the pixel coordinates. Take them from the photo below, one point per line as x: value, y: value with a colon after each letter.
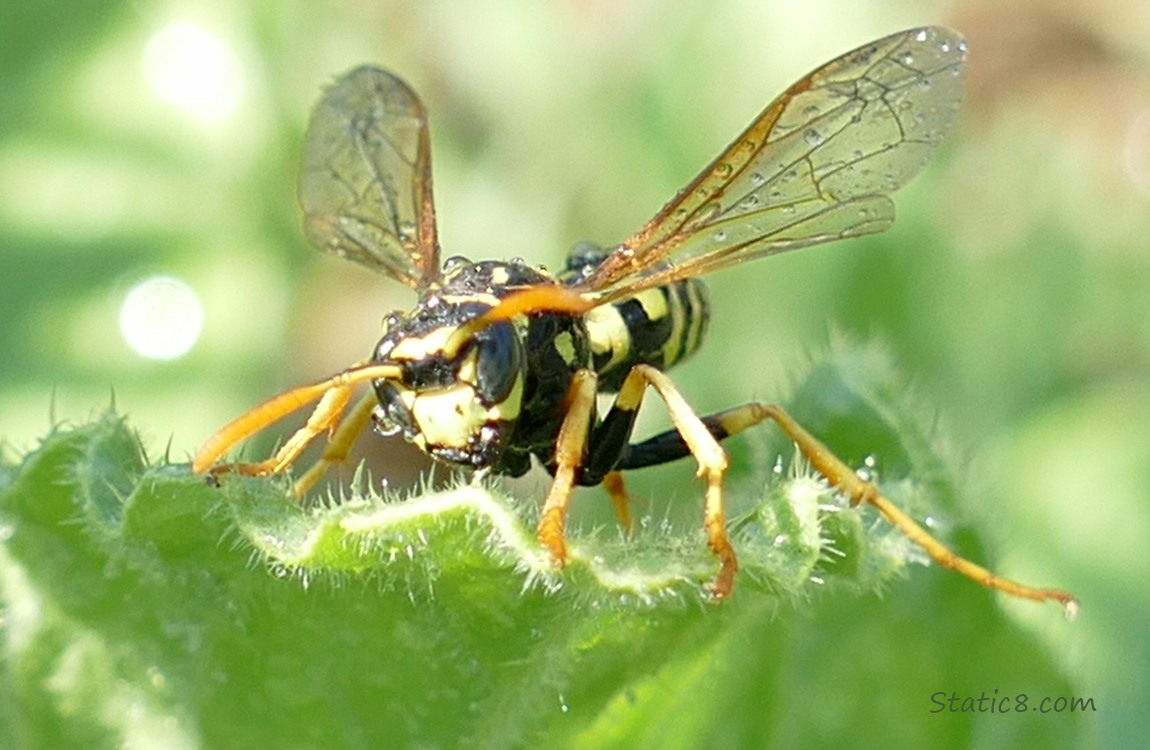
x: 499, y: 363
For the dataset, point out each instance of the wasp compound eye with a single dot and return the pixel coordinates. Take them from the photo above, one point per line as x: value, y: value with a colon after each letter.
x: 499, y: 359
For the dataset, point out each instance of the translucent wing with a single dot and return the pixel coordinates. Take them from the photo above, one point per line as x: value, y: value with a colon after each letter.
x: 366, y: 181
x: 815, y: 166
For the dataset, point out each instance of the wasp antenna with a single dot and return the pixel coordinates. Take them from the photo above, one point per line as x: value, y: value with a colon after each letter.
x: 551, y: 298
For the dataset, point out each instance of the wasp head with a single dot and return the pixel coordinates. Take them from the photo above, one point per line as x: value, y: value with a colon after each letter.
x: 456, y: 398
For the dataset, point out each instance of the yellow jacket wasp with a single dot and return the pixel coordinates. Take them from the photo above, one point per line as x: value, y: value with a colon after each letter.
x: 500, y: 362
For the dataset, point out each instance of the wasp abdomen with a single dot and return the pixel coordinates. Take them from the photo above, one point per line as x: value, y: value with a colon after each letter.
x: 657, y: 327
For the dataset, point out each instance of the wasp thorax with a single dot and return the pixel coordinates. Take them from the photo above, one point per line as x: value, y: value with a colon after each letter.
x: 455, y: 401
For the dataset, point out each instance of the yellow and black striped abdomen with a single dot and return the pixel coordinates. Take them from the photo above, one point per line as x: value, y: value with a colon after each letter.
x: 656, y: 327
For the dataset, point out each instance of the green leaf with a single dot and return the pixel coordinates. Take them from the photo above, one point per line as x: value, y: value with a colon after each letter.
x: 145, y: 607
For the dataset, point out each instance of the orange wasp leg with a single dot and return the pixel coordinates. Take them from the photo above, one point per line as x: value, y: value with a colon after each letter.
x: 569, y: 450
x: 617, y: 489
x: 710, y: 456
x: 339, y: 444
x: 699, y: 441
x: 859, y: 491
x: 333, y: 395
x: 550, y: 298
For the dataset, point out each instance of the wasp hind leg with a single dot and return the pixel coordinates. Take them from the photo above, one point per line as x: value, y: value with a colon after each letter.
x: 859, y: 491
x: 668, y: 446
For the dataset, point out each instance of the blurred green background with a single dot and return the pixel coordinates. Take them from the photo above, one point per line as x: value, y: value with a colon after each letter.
x: 150, y: 139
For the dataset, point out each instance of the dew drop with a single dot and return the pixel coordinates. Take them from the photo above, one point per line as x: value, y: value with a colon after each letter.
x: 156, y: 677
x: 813, y: 137
x: 386, y: 428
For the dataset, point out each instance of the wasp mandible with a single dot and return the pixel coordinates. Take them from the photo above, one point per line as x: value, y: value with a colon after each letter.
x: 501, y: 362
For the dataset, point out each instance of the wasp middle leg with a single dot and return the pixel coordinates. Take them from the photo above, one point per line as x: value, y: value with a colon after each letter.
x: 582, y: 461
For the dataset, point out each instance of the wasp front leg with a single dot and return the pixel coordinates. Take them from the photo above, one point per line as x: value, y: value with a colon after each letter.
x: 324, y: 418
x: 333, y: 394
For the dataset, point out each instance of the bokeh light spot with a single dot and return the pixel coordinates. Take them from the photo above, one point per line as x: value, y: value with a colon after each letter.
x: 194, y: 69
x: 161, y: 318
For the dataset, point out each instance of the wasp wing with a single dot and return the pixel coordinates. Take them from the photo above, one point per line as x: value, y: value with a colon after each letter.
x: 815, y: 166
x: 366, y: 180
